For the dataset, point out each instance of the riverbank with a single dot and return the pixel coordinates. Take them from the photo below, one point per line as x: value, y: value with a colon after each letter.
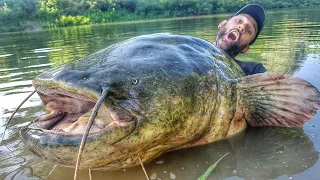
x: 18, y: 15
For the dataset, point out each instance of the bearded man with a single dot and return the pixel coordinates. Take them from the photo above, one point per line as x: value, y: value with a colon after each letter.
x: 238, y: 32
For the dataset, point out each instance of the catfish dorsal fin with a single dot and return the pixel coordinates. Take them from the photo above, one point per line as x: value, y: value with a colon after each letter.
x: 275, y: 99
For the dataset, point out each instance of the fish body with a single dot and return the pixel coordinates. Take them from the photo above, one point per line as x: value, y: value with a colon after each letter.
x: 165, y: 92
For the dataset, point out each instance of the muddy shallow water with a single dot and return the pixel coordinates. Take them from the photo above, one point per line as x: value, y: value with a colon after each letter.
x: 289, y: 43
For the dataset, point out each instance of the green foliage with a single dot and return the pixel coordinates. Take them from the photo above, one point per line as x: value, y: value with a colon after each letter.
x: 49, y: 6
x: 4, y: 10
x: 55, y: 13
x: 73, y: 20
x: 112, y: 16
x: 229, y: 5
x: 149, y: 7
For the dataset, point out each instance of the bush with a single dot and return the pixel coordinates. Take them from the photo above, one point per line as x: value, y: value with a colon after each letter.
x: 73, y: 20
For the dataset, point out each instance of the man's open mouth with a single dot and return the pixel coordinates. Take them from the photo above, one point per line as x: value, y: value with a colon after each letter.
x: 233, y: 36
x: 70, y: 113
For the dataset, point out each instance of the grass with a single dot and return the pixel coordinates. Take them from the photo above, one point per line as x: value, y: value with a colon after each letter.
x: 211, y: 168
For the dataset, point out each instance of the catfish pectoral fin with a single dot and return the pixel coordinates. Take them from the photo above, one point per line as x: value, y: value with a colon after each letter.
x: 275, y: 99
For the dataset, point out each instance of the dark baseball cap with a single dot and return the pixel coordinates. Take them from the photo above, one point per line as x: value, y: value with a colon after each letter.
x: 257, y: 13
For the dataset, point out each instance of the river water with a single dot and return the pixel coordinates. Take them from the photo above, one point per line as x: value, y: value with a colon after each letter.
x: 289, y: 43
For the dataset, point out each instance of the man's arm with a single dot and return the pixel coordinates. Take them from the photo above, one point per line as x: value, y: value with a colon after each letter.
x: 250, y: 68
x: 258, y: 69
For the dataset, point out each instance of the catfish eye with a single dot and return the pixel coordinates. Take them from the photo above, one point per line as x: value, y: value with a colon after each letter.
x: 135, y: 81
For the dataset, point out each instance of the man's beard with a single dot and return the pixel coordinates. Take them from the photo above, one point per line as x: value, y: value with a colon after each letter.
x: 233, y: 49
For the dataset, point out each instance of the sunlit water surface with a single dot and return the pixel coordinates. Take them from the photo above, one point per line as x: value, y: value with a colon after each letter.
x: 289, y: 43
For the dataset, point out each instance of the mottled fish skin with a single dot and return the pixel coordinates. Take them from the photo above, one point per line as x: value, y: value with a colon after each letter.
x: 181, y: 91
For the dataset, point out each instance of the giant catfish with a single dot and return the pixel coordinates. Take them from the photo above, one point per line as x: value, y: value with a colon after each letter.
x: 163, y: 92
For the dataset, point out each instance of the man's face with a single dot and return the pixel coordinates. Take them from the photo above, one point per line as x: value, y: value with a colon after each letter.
x: 236, y: 34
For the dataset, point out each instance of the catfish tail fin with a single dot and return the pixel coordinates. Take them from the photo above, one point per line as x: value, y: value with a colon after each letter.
x: 275, y: 99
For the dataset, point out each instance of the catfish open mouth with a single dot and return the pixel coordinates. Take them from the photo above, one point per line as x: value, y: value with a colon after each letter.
x: 71, y: 112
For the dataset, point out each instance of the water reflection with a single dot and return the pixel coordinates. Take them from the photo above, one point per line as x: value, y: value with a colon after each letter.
x: 259, y: 153
x: 289, y: 43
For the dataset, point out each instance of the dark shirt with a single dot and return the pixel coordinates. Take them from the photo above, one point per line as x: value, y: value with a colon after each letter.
x: 250, y: 68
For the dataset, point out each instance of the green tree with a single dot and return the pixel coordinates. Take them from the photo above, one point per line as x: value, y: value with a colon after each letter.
x: 149, y: 7
x: 49, y: 6
x: 129, y: 5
